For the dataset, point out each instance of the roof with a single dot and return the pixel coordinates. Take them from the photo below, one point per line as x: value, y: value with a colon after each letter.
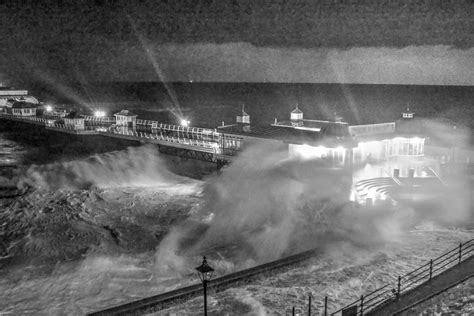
x: 409, y: 126
x: 125, y: 113
x: 312, y: 125
x: 23, y: 105
x: 73, y: 115
x: 2, y: 88
x: 292, y: 134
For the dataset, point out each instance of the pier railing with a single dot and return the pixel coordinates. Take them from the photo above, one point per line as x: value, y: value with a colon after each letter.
x: 209, y: 145
x: 409, y: 281
x: 35, y: 119
x: 185, y: 131
x: 206, y: 140
x: 99, y: 120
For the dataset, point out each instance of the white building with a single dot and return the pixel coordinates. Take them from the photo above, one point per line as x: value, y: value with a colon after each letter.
x: 10, y: 95
x: 126, y: 118
x: 73, y: 121
x: 23, y: 109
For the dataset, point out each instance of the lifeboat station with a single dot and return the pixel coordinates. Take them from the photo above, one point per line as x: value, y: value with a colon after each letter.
x: 387, y: 160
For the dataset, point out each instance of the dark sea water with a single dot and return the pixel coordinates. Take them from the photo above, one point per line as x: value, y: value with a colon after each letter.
x: 208, y: 104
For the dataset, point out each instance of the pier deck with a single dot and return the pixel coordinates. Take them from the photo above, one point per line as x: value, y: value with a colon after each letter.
x: 185, y: 142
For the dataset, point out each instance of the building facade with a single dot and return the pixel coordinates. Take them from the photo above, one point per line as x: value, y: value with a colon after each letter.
x: 22, y: 108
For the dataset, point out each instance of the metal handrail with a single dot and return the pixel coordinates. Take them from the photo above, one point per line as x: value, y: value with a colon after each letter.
x: 412, y: 279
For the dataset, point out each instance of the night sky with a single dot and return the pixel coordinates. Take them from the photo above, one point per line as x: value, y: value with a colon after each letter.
x: 365, y: 41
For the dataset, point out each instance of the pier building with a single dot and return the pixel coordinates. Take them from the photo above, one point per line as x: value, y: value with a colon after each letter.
x: 10, y: 95
x: 386, y: 160
x: 126, y: 118
x: 22, y: 108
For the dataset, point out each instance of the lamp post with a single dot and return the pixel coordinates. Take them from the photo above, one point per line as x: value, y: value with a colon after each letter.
x: 205, y: 274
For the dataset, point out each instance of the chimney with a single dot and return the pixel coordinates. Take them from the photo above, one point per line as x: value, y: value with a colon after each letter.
x: 396, y: 173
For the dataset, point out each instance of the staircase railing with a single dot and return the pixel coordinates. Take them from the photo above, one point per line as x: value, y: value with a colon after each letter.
x: 409, y: 281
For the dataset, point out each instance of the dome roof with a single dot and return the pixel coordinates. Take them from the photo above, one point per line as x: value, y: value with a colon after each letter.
x: 296, y: 110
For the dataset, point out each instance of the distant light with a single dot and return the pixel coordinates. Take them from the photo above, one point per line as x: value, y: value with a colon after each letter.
x: 99, y: 114
x: 49, y: 108
x: 185, y: 122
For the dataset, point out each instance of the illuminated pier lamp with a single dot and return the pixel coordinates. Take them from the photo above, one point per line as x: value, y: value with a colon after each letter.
x: 205, y: 274
x: 49, y: 108
x: 185, y: 122
x: 99, y: 113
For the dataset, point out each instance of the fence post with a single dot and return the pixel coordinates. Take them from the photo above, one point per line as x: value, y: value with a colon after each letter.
x: 460, y: 252
x: 398, y: 286
x: 326, y: 305
x: 293, y: 311
x: 431, y: 268
x: 309, y: 304
x: 362, y: 304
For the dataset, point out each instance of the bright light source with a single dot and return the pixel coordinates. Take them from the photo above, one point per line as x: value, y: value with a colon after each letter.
x: 185, y: 122
x: 49, y: 108
x: 99, y: 113
x: 309, y: 152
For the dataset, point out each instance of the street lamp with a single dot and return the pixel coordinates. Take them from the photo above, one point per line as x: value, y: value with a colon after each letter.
x: 205, y: 274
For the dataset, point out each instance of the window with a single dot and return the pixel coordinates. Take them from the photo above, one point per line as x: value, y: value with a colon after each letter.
x: 411, y: 148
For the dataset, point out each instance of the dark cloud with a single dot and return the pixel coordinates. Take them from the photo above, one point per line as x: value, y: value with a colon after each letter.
x: 102, y: 40
x: 328, y: 23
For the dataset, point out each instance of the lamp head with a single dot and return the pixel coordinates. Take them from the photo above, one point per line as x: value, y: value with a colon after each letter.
x: 205, y: 271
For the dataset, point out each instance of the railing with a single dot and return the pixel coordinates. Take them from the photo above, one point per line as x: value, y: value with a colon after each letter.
x: 151, y: 304
x: 207, y: 140
x: 68, y: 127
x: 24, y: 118
x: 410, y: 280
x: 212, y: 146
x: 95, y: 119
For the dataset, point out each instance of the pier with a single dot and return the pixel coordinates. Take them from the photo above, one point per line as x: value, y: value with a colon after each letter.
x: 186, y: 142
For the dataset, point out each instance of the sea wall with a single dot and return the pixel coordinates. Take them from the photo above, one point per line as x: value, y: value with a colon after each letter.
x: 457, y: 300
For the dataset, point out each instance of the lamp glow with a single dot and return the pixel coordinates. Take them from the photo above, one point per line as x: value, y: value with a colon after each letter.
x: 185, y: 122
x: 49, y: 108
x: 99, y: 113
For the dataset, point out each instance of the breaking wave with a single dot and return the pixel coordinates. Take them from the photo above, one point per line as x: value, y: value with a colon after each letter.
x: 136, y: 166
